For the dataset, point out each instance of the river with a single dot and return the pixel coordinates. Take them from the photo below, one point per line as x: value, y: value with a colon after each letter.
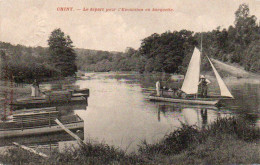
x: 118, y: 113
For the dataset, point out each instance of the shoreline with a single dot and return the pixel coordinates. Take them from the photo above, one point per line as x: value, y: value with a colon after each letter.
x: 219, y: 143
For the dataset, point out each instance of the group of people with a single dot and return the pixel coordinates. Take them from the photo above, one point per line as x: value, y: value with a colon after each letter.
x: 203, y: 83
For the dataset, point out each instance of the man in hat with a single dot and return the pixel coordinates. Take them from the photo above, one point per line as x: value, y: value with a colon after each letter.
x: 204, y: 85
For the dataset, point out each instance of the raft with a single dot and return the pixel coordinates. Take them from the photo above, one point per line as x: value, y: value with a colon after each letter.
x: 54, y: 98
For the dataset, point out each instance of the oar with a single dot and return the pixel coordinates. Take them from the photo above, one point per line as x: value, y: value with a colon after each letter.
x: 70, y: 133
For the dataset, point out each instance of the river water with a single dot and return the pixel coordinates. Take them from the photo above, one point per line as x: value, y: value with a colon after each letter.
x: 119, y: 114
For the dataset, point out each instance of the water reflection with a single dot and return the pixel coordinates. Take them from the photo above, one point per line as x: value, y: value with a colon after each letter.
x: 191, y: 115
x: 204, y: 117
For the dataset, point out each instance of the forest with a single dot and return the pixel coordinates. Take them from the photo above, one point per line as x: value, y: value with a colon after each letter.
x: 171, y: 51
x: 168, y: 52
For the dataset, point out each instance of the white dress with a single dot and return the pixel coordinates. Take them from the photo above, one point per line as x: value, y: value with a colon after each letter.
x: 35, y: 91
x: 158, y: 86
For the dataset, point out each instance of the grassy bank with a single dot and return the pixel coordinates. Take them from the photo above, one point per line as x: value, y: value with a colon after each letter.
x: 226, y: 141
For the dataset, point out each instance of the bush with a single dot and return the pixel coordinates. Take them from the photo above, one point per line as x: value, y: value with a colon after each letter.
x: 190, y: 136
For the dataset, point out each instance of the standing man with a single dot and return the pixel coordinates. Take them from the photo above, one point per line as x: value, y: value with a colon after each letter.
x: 204, y: 86
x: 158, y: 87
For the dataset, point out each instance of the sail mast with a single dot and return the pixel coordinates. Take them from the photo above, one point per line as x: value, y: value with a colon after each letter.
x: 201, y: 37
x: 201, y: 42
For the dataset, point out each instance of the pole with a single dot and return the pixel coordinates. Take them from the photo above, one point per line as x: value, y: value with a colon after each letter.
x: 200, y: 54
x: 201, y: 42
x: 30, y: 150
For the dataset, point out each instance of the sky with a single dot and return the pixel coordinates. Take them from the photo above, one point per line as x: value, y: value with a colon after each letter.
x: 30, y: 22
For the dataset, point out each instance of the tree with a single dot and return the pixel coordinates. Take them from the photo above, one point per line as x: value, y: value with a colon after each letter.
x: 165, y: 52
x: 246, y: 29
x: 62, y: 54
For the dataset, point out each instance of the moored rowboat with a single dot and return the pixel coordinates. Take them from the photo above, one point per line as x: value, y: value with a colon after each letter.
x: 37, y: 121
x: 40, y: 130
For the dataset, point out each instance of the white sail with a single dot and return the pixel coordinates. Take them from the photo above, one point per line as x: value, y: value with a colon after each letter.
x: 223, y: 88
x: 191, y: 80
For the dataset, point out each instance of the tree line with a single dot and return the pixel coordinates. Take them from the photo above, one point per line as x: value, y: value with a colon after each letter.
x: 171, y: 51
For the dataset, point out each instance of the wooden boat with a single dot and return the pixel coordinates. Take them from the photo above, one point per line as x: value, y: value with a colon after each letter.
x: 190, y: 85
x: 81, y: 92
x: 201, y: 101
x: 54, y: 98
x: 37, y: 121
x: 48, y: 138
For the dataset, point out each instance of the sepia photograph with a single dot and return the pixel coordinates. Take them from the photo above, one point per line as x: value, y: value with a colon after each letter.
x: 174, y: 82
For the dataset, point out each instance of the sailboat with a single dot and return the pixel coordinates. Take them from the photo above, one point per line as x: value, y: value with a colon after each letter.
x: 191, y: 83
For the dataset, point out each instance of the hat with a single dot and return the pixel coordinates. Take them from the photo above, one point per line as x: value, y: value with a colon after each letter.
x: 202, y: 76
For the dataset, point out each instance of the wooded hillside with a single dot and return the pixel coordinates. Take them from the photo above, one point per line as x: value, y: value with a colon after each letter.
x: 167, y: 52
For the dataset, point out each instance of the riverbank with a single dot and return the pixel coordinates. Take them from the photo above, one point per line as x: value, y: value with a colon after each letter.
x: 225, y: 141
x: 234, y: 70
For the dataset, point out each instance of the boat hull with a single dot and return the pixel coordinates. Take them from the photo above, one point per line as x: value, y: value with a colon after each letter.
x: 185, y: 101
x: 50, y: 138
x: 41, y: 130
x: 39, y: 103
